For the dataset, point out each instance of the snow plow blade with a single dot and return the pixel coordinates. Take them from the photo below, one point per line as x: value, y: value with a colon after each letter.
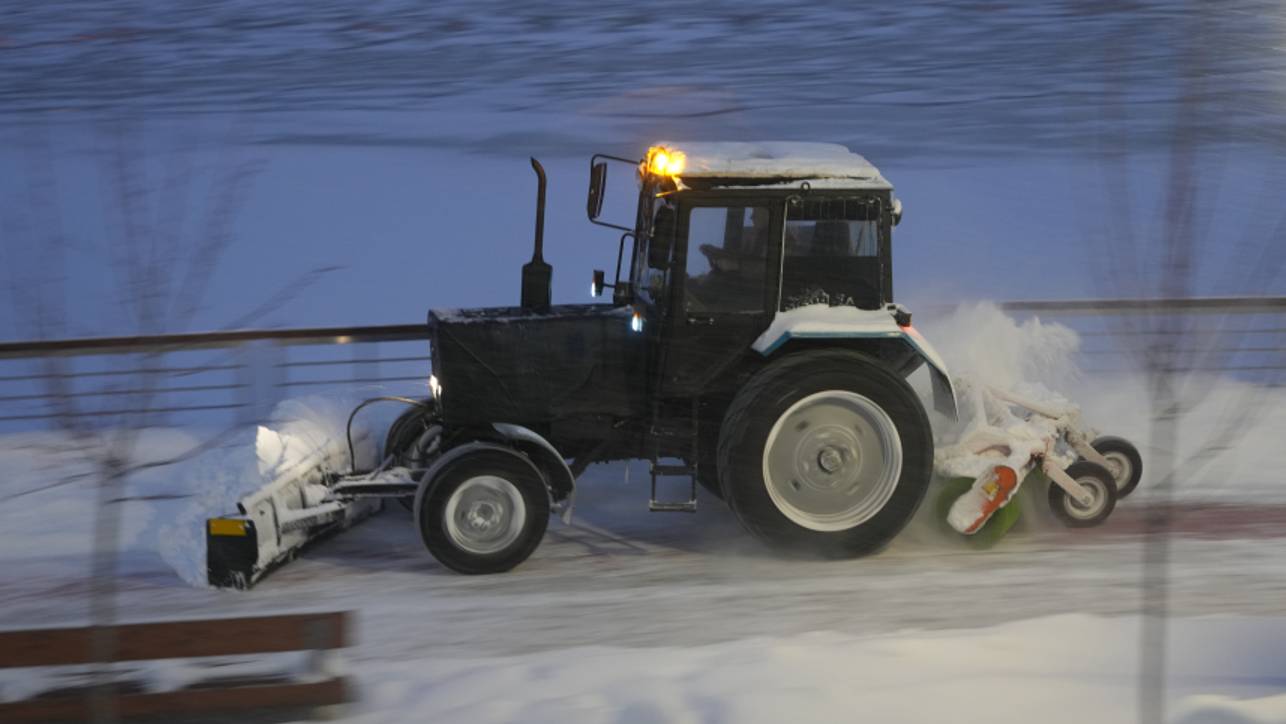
x: 240, y: 552
x: 272, y: 524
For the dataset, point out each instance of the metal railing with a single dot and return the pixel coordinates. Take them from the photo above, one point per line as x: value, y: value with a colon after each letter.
x: 246, y: 372
x: 1243, y: 336
x: 188, y: 377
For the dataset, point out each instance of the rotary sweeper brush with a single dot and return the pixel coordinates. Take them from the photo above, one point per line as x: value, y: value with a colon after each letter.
x: 751, y: 346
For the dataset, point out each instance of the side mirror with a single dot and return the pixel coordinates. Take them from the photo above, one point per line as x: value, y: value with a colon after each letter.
x: 599, y: 281
x: 597, y: 183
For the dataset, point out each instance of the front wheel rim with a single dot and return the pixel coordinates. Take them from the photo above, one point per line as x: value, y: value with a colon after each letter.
x: 1120, y: 466
x: 485, y: 515
x: 832, y: 461
x: 1095, y: 508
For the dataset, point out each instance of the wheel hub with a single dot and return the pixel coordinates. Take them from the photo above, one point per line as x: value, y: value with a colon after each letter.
x: 832, y: 460
x: 1119, y: 466
x: 1087, y: 511
x: 485, y: 514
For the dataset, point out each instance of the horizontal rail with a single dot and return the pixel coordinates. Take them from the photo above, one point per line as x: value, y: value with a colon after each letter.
x: 176, y: 371
x: 118, y: 393
x: 1186, y: 305
x: 198, y: 340
x: 353, y: 381
x: 412, y: 332
x: 109, y: 413
x: 341, y: 362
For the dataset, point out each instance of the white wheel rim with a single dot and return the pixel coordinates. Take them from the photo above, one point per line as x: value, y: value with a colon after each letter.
x: 1087, y: 512
x: 485, y: 515
x: 1120, y: 467
x: 832, y: 461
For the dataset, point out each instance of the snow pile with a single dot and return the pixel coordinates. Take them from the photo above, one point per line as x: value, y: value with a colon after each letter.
x: 311, y: 432
x: 983, y: 344
x: 994, y: 361
x: 50, y: 490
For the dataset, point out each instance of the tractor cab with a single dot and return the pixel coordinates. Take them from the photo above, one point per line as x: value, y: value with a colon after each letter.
x: 728, y: 235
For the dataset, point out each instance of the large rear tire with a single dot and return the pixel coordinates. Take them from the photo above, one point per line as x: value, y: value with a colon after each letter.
x: 825, y: 452
x: 483, y: 512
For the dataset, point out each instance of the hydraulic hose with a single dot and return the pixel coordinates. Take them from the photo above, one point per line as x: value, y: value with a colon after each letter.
x: 348, y: 430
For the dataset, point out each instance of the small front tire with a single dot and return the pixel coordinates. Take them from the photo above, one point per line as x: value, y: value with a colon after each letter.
x: 1100, y: 483
x: 1124, y: 462
x: 483, y: 512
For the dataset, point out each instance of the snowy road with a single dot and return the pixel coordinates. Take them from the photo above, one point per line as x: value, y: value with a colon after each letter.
x: 623, y: 577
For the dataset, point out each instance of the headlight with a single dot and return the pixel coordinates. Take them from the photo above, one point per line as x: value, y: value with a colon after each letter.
x: 435, y: 388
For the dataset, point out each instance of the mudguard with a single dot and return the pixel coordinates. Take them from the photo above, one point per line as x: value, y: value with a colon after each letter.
x: 558, y: 476
x: 821, y: 321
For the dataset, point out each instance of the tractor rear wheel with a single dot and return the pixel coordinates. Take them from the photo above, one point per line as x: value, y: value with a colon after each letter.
x: 826, y: 452
x: 483, y: 512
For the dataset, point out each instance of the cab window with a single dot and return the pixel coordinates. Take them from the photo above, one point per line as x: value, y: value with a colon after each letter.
x: 727, y: 259
x: 832, y: 253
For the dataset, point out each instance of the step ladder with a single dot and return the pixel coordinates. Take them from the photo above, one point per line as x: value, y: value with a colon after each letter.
x: 658, y: 470
x: 674, y: 471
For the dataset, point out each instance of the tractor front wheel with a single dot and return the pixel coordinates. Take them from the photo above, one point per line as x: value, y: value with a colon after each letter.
x: 483, y: 512
x: 825, y: 452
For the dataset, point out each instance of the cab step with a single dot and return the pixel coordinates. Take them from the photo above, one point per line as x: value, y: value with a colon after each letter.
x: 674, y: 471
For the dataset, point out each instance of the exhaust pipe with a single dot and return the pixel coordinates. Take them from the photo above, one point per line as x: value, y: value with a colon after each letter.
x: 536, y: 274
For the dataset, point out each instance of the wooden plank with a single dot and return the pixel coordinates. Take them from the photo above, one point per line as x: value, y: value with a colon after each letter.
x: 184, y: 702
x: 178, y: 639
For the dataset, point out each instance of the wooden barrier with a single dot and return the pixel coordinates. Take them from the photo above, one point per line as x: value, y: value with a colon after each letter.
x: 319, y: 633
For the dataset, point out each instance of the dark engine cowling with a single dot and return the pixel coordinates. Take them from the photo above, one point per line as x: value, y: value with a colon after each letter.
x: 507, y: 364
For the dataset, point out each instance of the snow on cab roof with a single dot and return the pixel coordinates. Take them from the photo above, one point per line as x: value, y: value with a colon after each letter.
x: 777, y: 159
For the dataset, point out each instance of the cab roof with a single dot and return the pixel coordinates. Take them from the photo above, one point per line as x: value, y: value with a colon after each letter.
x: 732, y: 164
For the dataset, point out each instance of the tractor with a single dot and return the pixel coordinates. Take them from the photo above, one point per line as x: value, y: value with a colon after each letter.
x: 751, y: 346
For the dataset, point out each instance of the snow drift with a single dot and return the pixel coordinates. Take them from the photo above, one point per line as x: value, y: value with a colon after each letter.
x: 310, y: 433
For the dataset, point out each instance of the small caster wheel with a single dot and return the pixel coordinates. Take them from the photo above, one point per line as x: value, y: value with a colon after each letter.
x: 1123, y: 461
x: 1099, y: 481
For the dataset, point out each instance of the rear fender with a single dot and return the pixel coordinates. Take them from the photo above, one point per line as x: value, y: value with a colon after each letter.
x: 820, y: 322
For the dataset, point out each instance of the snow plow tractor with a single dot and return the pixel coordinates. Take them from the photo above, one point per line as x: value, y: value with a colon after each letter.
x: 751, y: 346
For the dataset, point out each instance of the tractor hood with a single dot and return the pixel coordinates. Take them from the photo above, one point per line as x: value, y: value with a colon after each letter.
x: 525, y: 367
x: 821, y: 321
